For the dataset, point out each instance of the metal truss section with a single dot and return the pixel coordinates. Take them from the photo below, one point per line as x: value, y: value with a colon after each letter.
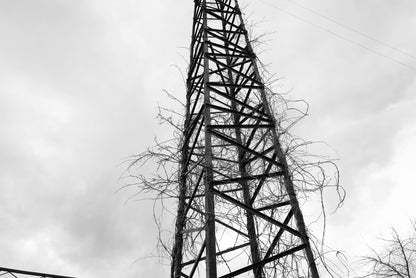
x: 238, y: 213
x: 8, y: 272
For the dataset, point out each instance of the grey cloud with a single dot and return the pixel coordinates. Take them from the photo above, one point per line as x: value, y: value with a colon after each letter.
x: 79, y: 84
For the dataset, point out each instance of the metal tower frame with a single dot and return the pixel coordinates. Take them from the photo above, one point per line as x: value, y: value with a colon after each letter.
x: 15, y: 272
x: 238, y: 210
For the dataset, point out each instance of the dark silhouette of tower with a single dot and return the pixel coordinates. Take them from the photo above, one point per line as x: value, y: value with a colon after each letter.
x: 238, y: 212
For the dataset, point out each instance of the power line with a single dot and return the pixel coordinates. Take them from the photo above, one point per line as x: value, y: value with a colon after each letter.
x: 352, y: 29
x: 342, y: 37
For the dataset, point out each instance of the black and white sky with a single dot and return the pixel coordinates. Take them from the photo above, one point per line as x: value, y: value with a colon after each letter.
x: 80, y: 82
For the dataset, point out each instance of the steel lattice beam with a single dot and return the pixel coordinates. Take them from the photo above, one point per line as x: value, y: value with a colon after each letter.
x: 15, y: 273
x: 238, y: 211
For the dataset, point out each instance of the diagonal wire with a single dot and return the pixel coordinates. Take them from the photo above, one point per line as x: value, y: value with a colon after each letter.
x: 342, y: 37
x: 352, y: 29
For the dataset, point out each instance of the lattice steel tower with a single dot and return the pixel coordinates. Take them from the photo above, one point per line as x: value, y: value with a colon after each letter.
x: 238, y: 213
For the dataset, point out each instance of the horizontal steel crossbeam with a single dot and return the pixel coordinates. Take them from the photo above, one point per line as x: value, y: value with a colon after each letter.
x: 12, y: 271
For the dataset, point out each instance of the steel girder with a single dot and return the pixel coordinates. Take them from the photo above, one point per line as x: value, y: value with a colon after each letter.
x: 238, y: 211
x: 9, y: 272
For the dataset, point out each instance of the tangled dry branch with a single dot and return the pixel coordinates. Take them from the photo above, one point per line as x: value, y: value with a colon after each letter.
x: 312, y: 175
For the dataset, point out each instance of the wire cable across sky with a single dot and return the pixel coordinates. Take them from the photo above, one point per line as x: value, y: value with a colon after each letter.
x: 346, y: 38
x: 353, y: 29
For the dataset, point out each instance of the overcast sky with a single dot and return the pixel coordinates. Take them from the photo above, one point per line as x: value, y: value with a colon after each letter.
x: 79, y: 85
